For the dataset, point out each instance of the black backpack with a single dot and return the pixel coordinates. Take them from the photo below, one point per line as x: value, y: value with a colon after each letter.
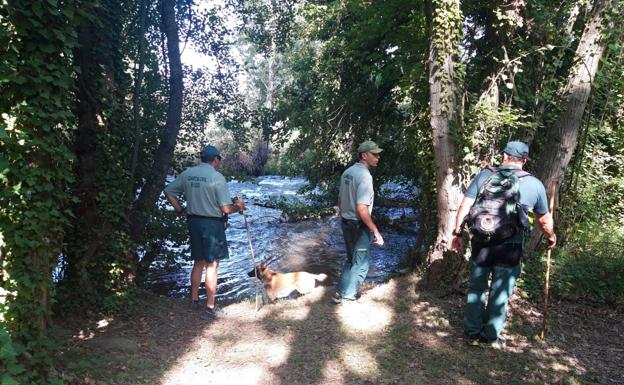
x: 497, y: 214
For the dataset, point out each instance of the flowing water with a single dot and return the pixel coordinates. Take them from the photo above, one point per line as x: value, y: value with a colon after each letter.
x: 313, y: 245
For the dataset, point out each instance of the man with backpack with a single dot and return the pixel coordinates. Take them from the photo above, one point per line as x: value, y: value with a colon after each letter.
x: 495, y: 208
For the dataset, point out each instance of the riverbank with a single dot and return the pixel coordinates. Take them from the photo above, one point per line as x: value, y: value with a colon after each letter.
x: 393, y: 335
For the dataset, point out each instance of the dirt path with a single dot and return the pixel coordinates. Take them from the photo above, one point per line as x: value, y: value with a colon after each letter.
x: 392, y: 335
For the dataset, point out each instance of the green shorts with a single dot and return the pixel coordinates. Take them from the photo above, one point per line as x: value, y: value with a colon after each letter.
x: 208, y: 242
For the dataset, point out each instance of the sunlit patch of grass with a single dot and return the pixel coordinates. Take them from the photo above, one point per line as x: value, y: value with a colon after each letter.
x: 357, y: 319
x: 295, y: 314
x: 359, y: 360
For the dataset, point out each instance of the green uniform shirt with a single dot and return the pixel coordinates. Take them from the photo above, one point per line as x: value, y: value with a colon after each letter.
x: 205, y: 190
x: 532, y: 191
x: 356, y: 186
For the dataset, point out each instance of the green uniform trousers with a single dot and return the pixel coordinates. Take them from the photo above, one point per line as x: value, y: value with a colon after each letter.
x: 487, y: 321
x: 357, y: 239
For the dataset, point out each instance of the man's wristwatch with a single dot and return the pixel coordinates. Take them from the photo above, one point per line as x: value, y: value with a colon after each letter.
x: 457, y: 233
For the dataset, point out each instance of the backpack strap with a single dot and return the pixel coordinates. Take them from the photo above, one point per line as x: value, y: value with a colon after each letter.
x: 493, y: 170
x: 520, y: 173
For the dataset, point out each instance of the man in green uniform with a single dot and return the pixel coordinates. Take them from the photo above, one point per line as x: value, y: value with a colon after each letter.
x: 501, y: 258
x: 208, y: 200
x: 355, y: 201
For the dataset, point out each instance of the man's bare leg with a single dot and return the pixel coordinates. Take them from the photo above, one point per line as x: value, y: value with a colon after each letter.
x: 196, y: 274
x: 211, y: 283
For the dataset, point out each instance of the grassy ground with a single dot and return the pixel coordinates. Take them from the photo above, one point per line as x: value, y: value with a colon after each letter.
x: 395, y: 334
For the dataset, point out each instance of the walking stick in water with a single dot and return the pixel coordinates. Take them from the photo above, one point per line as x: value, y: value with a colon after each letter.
x: 253, y: 257
x: 542, y: 335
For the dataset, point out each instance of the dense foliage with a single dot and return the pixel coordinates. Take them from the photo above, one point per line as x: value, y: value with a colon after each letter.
x: 35, y: 109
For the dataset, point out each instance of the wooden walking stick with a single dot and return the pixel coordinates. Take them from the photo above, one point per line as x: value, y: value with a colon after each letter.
x: 551, y: 208
x: 253, y: 257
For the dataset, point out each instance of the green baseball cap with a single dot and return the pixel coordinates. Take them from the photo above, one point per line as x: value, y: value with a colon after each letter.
x: 210, y: 152
x: 369, y: 146
x: 517, y: 149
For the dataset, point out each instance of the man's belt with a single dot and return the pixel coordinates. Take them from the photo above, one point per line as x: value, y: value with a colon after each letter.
x: 193, y: 216
x: 351, y: 221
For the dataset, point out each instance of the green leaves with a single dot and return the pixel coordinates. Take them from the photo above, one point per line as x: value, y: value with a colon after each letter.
x: 7, y: 379
x: 9, y: 365
x: 34, y: 170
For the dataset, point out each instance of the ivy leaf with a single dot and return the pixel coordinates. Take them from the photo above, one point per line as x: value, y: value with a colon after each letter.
x: 8, y: 380
x: 15, y: 369
x: 38, y: 9
x: 53, y: 3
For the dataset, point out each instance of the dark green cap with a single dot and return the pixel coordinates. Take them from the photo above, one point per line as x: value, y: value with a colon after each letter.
x: 369, y: 145
x: 210, y: 152
x: 517, y: 149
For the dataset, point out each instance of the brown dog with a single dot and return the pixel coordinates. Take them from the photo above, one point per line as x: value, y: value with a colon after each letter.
x: 282, y: 285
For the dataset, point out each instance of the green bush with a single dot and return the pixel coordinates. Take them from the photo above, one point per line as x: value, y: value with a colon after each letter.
x: 589, y: 267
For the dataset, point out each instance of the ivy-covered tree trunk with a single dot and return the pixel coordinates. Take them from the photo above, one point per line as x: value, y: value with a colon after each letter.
x: 445, y: 117
x: 162, y: 159
x: 136, y: 95
x: 86, y: 222
x: 98, y: 212
x: 562, y: 138
x: 36, y: 40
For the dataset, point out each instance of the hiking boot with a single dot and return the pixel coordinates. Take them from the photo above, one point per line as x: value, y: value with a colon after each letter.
x: 473, y: 341
x: 338, y: 299
x: 498, y: 343
x: 195, y: 305
x: 212, y: 313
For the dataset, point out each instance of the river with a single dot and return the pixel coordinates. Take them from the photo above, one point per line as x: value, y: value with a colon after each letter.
x: 312, y: 245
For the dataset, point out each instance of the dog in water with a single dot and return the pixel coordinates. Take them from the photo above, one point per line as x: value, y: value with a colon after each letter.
x: 279, y: 285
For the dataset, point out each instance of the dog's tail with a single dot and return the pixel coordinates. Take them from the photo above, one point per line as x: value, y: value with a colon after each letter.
x: 320, y: 277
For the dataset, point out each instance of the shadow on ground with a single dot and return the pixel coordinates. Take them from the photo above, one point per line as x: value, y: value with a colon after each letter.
x: 395, y: 334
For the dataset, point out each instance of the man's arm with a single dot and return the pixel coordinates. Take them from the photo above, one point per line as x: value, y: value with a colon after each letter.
x: 175, y: 203
x: 464, y: 207
x: 462, y: 211
x: 546, y: 224
x: 362, y: 213
x: 239, y: 205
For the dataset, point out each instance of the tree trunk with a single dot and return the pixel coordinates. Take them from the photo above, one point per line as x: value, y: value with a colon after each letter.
x: 86, y: 211
x: 162, y: 159
x: 136, y: 96
x: 151, y: 253
x: 528, y: 135
x: 261, y: 155
x: 445, y: 40
x: 561, y: 139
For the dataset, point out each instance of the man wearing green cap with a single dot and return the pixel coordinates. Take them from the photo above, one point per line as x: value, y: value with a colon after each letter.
x: 355, y: 201
x: 499, y: 258
x: 207, y: 201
